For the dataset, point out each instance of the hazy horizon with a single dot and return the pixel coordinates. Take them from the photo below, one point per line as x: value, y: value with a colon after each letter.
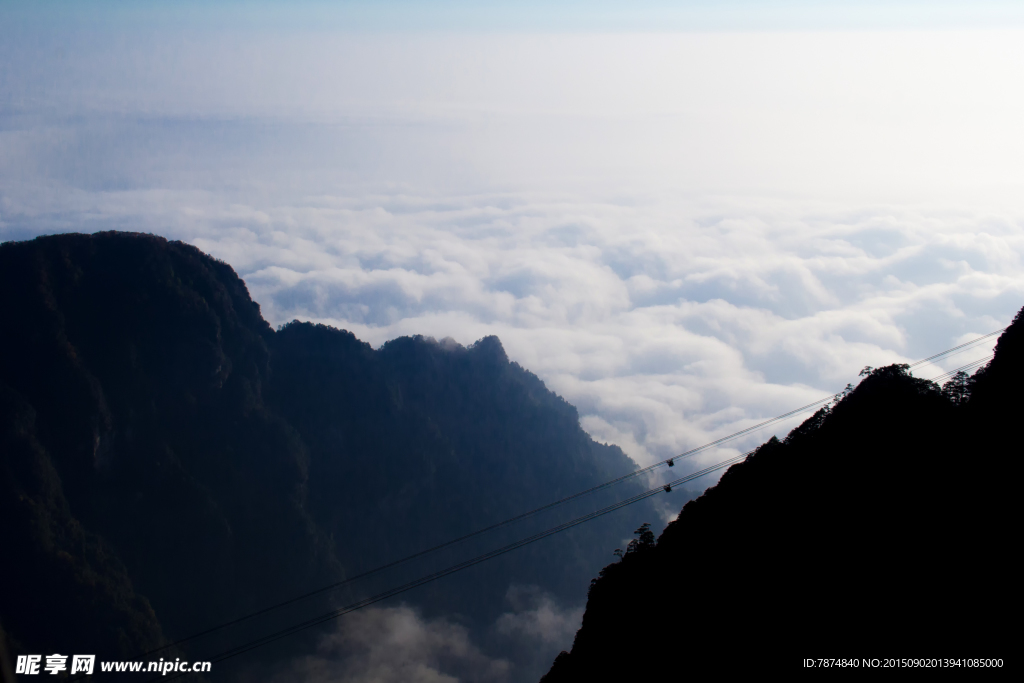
x: 683, y: 218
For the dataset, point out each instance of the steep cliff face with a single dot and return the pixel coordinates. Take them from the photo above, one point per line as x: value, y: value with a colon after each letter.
x: 170, y: 461
x: 62, y: 584
x: 142, y: 365
x: 881, y: 527
x: 465, y: 437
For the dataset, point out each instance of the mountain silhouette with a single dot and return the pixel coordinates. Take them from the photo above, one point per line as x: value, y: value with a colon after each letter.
x: 879, y: 529
x: 170, y: 462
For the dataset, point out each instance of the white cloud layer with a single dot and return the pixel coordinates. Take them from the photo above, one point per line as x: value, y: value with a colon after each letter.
x: 397, y: 645
x: 681, y: 234
x: 400, y: 645
x: 536, y: 616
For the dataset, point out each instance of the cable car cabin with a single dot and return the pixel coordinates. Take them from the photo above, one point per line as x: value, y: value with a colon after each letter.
x: 668, y: 488
x: 671, y: 463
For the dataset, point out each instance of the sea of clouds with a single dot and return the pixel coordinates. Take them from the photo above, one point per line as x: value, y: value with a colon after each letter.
x: 682, y: 234
x: 402, y: 645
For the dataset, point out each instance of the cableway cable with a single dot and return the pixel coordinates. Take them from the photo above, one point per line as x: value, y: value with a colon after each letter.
x: 315, y: 621
x: 970, y: 366
x: 492, y: 527
x: 365, y: 602
x: 561, y: 501
x: 957, y: 348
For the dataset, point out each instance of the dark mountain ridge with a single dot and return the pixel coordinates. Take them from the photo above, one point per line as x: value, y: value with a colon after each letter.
x: 169, y: 461
x: 882, y: 527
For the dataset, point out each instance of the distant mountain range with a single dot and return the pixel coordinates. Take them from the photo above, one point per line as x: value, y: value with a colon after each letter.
x: 879, y: 533
x: 168, y: 461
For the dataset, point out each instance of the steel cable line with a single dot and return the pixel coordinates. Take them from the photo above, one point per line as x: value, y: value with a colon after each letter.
x: 561, y: 501
x: 497, y: 525
x: 365, y: 602
x: 957, y: 348
x: 440, y: 546
x: 968, y: 366
x: 483, y: 530
x: 334, y: 614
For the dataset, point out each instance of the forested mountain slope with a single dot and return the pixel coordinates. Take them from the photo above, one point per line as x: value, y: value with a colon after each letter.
x: 882, y: 527
x: 169, y: 461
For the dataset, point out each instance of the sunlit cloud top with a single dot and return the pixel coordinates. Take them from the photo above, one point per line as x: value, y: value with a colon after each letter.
x: 684, y: 217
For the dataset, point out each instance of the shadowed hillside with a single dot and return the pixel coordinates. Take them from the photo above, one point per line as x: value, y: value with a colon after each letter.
x: 170, y: 461
x: 882, y: 527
